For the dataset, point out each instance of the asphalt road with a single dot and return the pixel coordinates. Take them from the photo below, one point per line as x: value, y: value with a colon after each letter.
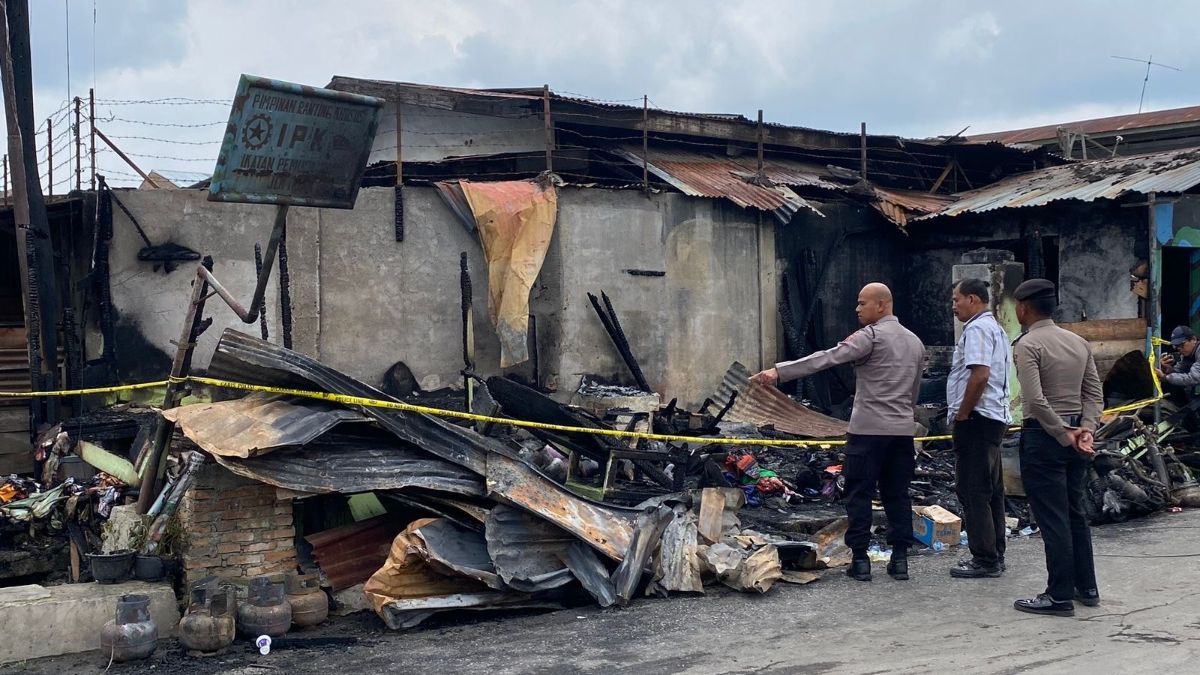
x: 1148, y: 622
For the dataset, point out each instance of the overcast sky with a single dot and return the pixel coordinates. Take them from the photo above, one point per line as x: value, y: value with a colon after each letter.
x: 904, y: 67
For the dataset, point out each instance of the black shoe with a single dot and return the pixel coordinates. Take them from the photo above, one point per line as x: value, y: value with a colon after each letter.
x: 971, y: 569
x: 897, y: 568
x: 1044, y: 604
x: 1088, y: 598
x: 860, y: 569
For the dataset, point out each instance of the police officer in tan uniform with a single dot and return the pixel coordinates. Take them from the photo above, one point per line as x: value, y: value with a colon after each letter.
x: 888, y: 360
x: 1062, y: 399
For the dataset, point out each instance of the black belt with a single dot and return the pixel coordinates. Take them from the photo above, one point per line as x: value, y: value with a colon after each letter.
x: 1069, y: 420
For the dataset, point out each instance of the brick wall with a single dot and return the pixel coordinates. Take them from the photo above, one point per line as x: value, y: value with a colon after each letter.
x: 235, y: 527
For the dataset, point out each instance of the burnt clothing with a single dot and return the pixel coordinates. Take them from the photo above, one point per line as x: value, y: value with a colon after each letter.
x: 1058, y: 379
x: 1055, y: 479
x: 888, y: 360
x: 886, y: 464
x: 979, y: 481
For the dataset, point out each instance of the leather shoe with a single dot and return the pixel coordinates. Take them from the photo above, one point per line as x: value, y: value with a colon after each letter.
x: 897, y: 568
x: 972, y: 569
x: 860, y: 569
x: 1088, y: 598
x: 1044, y: 604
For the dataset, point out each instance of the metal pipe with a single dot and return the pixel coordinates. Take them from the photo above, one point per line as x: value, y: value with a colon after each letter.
x: 121, y: 154
x: 645, y: 143
x: 547, y: 127
x: 760, y: 144
x: 862, y: 151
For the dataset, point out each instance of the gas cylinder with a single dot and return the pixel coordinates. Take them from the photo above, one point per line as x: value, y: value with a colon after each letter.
x: 210, y: 622
x: 132, y: 634
x: 266, y: 613
x: 310, y: 605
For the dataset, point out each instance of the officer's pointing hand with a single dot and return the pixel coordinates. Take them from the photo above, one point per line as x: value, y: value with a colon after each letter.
x: 768, y: 377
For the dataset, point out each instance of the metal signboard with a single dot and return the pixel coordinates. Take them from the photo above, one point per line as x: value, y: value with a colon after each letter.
x: 290, y: 144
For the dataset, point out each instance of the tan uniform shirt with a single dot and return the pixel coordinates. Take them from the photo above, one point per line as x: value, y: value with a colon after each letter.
x: 1058, y: 378
x: 888, y: 360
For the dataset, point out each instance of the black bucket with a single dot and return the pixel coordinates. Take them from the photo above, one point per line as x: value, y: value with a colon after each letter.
x: 149, y: 568
x: 111, y: 568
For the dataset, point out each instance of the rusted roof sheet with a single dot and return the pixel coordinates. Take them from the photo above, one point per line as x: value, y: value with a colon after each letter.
x: 762, y: 405
x: 258, y: 423
x: 1103, y: 125
x: 350, y: 554
x: 900, y: 206
x: 1175, y: 171
x: 706, y: 175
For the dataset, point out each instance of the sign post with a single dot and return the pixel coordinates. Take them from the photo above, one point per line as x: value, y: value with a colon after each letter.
x: 288, y: 145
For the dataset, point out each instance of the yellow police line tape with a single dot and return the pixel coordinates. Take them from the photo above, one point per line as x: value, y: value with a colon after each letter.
x: 409, y: 407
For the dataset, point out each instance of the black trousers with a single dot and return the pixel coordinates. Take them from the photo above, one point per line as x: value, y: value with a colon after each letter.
x: 979, y: 481
x: 885, y: 463
x: 1054, y: 478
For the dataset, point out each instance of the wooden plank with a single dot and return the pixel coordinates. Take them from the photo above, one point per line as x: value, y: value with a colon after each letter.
x: 712, y: 505
x: 1108, y: 329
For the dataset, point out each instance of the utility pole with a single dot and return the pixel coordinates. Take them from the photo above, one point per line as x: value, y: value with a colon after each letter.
x: 34, y: 243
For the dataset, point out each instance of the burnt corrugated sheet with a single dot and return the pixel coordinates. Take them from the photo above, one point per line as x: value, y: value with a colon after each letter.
x: 762, y: 405
x: 1176, y: 171
x: 243, y: 358
x: 458, y: 550
x: 529, y: 553
x: 1146, y: 120
x: 258, y: 423
x: 350, y: 554
x: 354, y: 463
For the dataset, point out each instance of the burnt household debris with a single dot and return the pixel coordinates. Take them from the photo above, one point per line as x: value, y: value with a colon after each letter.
x: 575, y: 423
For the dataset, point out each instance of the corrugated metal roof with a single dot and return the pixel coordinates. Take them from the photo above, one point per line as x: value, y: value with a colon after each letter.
x: 1102, y: 125
x: 350, y: 554
x: 1176, y: 171
x: 702, y: 174
x: 762, y: 406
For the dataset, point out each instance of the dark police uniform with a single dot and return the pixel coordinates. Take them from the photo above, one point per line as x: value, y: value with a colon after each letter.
x: 1059, y: 389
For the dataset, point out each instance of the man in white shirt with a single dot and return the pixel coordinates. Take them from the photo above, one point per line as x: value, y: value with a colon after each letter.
x: 977, y: 399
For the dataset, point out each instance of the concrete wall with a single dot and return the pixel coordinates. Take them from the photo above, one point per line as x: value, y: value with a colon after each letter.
x: 686, y: 327
x: 362, y: 301
x: 1097, y: 241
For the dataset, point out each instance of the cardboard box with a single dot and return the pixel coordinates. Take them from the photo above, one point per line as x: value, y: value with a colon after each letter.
x: 933, y: 523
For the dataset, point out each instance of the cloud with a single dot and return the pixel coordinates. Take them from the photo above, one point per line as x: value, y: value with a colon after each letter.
x: 904, y: 66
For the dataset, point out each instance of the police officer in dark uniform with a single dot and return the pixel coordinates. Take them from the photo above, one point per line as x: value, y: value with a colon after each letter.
x: 1062, y: 399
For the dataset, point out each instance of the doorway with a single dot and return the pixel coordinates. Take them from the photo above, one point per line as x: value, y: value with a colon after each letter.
x: 1180, y: 294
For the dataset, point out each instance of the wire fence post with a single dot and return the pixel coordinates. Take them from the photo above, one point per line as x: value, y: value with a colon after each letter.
x: 92, y: 132
x: 49, y: 158
x: 78, y: 143
x: 6, y: 199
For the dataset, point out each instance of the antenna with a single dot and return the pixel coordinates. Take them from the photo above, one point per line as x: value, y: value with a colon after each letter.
x: 1149, y: 62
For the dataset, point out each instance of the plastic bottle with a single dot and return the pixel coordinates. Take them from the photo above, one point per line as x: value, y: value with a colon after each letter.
x: 938, y: 546
x: 264, y: 644
x: 962, y: 538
